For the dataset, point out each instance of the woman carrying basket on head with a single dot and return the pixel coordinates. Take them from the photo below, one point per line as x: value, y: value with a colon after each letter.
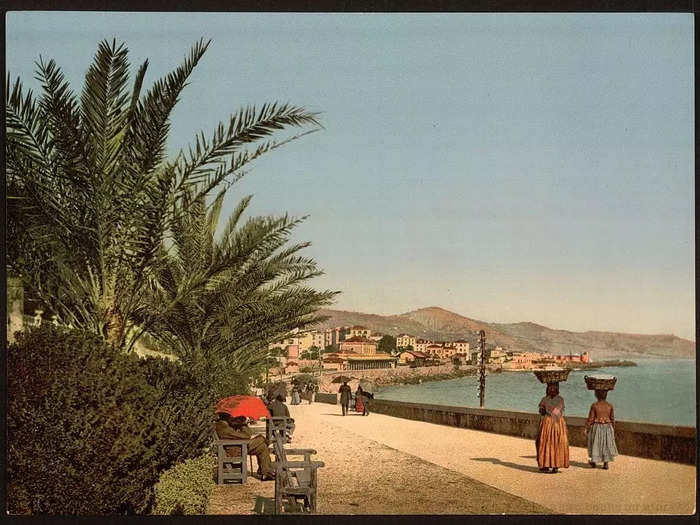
x: 552, y: 440
x: 600, y: 425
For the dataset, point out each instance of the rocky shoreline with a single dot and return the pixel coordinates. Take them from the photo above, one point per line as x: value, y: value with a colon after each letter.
x: 602, y: 364
x: 418, y: 375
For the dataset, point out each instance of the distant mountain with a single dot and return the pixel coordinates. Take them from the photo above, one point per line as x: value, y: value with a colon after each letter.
x: 442, y: 325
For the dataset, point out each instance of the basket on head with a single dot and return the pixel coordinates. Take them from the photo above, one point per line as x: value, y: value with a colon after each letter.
x: 600, y: 382
x: 552, y: 375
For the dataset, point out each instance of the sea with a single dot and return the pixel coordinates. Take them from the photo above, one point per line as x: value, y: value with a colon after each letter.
x: 654, y: 391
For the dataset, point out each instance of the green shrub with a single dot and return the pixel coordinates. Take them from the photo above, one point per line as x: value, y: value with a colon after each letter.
x: 90, y: 429
x: 186, y: 487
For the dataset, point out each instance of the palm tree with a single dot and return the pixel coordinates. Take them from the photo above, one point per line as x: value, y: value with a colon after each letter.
x: 253, y: 291
x: 91, y: 192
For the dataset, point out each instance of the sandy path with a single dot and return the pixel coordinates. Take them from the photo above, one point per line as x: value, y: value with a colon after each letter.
x: 632, y: 485
x: 363, y: 476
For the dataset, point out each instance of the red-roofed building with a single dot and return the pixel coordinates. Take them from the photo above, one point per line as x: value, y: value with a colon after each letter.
x: 358, y: 345
x: 412, y: 357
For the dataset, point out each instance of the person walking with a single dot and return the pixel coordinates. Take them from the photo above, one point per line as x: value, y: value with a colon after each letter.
x: 345, y: 395
x: 552, y: 440
x: 600, y: 431
x: 359, y: 400
x: 310, y: 390
x: 296, y: 397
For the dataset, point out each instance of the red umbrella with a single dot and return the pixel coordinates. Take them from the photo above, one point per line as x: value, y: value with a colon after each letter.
x: 245, y: 406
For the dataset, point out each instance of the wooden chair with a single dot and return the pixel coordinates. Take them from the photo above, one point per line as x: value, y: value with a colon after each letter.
x: 238, y: 468
x: 295, y: 481
x: 278, y: 427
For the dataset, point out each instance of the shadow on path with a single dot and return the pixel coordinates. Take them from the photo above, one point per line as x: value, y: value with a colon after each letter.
x: 341, y: 415
x: 496, y: 461
x: 264, y: 505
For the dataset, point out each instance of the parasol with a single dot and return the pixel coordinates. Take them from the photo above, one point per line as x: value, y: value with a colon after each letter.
x: 342, y: 379
x: 368, y: 386
x: 243, y: 406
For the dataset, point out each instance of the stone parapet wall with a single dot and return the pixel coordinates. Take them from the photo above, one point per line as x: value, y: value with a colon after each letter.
x: 647, y: 440
x: 324, y: 397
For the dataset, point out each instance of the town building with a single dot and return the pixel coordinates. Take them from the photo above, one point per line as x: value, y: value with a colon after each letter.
x: 365, y: 362
x: 291, y: 351
x: 332, y: 336
x: 405, y: 340
x: 318, y: 339
x: 358, y: 345
x: 461, y: 346
x: 421, y: 345
x: 334, y: 363
x: 406, y: 358
x: 496, y: 355
x: 360, y: 331
x: 305, y: 341
x: 291, y: 367
x: 440, y: 351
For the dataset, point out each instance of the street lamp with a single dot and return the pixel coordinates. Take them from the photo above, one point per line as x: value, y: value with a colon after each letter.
x: 482, y: 369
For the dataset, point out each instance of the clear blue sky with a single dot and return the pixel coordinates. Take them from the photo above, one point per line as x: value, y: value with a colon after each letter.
x: 506, y: 167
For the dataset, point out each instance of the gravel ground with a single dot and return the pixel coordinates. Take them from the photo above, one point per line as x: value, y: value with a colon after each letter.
x: 363, y: 476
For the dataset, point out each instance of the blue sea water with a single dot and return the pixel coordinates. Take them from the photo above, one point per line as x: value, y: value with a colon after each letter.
x: 655, y: 391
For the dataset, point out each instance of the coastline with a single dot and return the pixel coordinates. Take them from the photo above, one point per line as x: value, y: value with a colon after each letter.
x: 391, y: 380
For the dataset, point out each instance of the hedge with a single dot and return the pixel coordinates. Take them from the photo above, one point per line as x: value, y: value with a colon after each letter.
x: 90, y: 428
x: 185, y: 488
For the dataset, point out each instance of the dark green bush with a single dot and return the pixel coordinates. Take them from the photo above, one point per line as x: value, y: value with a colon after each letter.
x: 90, y: 429
x: 186, y: 487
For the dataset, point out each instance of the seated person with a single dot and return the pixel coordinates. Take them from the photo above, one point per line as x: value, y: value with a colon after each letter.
x: 228, y: 427
x: 279, y: 409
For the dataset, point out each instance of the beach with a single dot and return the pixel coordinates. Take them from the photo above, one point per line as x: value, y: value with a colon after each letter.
x: 385, y: 465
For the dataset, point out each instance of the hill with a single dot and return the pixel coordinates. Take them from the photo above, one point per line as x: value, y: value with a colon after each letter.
x: 436, y: 323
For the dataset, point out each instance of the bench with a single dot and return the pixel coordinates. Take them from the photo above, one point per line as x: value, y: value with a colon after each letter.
x: 278, y: 427
x: 238, y: 467
x: 295, y: 481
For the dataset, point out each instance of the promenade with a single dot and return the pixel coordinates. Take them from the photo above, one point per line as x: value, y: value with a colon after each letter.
x: 385, y: 465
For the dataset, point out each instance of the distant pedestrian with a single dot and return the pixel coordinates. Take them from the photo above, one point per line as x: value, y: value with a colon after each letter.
x: 552, y: 440
x: 360, y: 401
x: 600, y: 429
x: 296, y: 397
x: 345, y: 395
x: 310, y: 390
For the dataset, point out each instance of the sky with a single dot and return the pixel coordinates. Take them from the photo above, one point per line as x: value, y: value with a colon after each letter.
x: 507, y: 167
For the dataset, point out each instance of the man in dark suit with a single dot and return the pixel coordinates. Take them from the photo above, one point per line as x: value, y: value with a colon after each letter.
x: 279, y: 409
x: 345, y: 395
x: 228, y: 427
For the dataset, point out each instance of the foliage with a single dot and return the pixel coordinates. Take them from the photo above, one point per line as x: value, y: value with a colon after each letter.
x: 331, y: 349
x: 185, y: 488
x: 311, y: 354
x: 90, y: 428
x: 254, y: 289
x: 307, y: 370
x: 387, y: 344
x: 303, y: 379
x: 93, y: 199
x: 408, y: 348
x: 456, y: 373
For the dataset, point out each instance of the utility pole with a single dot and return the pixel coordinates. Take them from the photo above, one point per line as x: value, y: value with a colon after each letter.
x: 482, y: 369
